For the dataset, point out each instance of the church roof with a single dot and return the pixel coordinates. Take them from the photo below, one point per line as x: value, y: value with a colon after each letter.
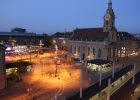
x: 89, y: 34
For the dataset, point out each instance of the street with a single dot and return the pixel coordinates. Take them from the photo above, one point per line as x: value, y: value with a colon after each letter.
x: 52, y: 81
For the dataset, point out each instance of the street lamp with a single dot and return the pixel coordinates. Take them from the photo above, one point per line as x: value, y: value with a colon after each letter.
x: 30, y: 52
x: 63, y: 44
x: 53, y: 45
x: 81, y: 83
x: 54, y: 42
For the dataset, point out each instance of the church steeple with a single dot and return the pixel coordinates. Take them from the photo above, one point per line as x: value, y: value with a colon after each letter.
x: 110, y: 4
x: 109, y: 18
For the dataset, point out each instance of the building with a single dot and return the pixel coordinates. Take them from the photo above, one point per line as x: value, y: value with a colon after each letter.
x: 101, y: 43
x: 61, y: 39
x: 2, y: 68
x: 20, y: 38
x: 23, y: 41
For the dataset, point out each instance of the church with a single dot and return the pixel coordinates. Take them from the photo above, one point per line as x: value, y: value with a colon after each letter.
x: 100, y: 43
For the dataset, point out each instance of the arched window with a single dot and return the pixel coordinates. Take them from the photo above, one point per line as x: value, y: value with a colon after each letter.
x: 112, y: 23
x: 99, y: 53
x: 74, y: 49
x: 88, y: 51
x: 93, y: 51
x: 107, y: 22
x: 79, y: 49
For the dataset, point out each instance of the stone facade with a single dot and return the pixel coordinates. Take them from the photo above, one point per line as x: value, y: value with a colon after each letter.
x: 101, y: 43
x: 95, y: 43
x: 89, y: 50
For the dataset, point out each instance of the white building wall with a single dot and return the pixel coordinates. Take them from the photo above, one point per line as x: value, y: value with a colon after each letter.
x: 91, y: 45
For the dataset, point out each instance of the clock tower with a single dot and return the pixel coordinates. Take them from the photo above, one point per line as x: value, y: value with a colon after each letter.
x: 109, y: 18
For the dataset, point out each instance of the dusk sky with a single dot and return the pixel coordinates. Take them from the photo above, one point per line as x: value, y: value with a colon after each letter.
x: 49, y: 16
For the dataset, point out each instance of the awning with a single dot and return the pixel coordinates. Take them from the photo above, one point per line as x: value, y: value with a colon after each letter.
x: 98, y: 61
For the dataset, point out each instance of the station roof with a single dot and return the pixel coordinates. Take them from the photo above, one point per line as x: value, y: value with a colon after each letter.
x: 18, y: 34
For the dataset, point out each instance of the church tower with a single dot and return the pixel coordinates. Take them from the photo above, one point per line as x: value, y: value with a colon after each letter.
x: 109, y: 18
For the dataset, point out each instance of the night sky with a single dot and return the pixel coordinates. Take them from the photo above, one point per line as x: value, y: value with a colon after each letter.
x: 49, y: 16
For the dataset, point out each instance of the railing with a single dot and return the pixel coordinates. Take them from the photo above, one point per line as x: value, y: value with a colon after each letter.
x: 116, y: 86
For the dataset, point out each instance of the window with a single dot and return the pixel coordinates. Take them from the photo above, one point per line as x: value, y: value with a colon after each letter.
x: 107, y: 22
x: 79, y: 49
x: 88, y: 51
x: 93, y: 51
x: 112, y: 23
x: 99, y: 53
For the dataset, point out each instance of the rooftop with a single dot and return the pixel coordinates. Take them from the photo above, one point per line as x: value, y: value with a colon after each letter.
x: 89, y: 34
x: 18, y: 34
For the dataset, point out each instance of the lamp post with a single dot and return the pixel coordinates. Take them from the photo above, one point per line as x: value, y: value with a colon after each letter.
x: 113, y: 68
x: 100, y: 82
x: 81, y: 83
x: 108, y: 89
x: 41, y: 62
x: 55, y: 68
x: 63, y: 44
x: 30, y: 53
x: 134, y: 72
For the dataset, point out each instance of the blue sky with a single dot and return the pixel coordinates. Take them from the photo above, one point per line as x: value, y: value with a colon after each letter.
x: 49, y: 16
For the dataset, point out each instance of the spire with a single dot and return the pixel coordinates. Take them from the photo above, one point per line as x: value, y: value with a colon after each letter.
x: 110, y: 4
x: 110, y: 1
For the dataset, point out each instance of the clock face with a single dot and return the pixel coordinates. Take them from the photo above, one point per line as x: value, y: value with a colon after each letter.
x: 107, y: 17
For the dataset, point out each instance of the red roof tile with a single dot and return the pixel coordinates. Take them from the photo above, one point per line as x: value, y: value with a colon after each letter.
x: 89, y: 34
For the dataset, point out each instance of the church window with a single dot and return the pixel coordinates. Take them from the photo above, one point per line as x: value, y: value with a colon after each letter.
x: 112, y: 23
x: 88, y: 51
x: 107, y: 22
x: 79, y: 49
x: 93, y: 51
x: 99, y: 53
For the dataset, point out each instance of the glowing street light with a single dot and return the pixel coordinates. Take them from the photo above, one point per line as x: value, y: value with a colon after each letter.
x: 54, y: 42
